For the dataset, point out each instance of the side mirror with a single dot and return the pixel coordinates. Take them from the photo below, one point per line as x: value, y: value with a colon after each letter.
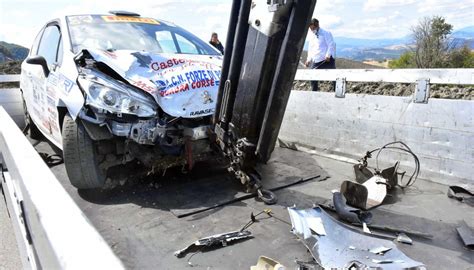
x: 39, y: 60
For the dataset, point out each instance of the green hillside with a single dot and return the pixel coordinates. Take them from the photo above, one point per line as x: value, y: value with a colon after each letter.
x: 12, y: 52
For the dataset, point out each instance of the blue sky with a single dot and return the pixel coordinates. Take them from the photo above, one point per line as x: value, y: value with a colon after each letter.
x: 20, y: 20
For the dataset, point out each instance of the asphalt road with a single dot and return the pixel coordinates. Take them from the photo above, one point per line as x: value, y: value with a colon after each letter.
x: 9, y: 256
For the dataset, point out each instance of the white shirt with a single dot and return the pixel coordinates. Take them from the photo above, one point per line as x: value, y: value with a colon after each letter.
x: 321, y: 45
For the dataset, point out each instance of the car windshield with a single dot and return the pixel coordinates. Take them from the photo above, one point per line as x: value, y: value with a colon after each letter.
x: 132, y: 33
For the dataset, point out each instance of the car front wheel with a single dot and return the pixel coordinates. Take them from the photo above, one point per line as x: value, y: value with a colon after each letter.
x: 81, y: 156
x: 35, y: 133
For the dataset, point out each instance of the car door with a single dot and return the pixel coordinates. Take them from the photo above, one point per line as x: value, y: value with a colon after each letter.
x: 43, y: 98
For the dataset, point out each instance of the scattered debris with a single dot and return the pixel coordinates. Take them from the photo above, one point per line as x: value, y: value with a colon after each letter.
x: 380, y: 250
x: 307, y: 265
x: 214, y: 241
x: 462, y: 193
x: 385, y: 228
x: 399, y: 231
x: 403, y: 238
x: 467, y: 234
x: 370, y: 188
x: 266, y: 263
x: 330, y: 250
x: 347, y: 213
x: 365, y: 228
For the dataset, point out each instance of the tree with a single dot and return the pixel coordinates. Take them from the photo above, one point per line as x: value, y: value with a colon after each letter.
x: 406, y: 60
x: 461, y: 58
x: 432, y: 42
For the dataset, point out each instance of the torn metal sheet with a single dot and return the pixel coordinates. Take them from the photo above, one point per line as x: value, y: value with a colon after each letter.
x: 462, y: 193
x: 215, y: 240
x: 467, y: 234
x: 343, y: 246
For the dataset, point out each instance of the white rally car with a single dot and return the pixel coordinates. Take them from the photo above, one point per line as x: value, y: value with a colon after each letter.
x: 119, y: 92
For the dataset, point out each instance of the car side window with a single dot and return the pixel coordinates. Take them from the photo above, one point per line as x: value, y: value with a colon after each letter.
x: 34, y: 48
x: 186, y: 45
x: 48, y: 47
x: 166, y: 42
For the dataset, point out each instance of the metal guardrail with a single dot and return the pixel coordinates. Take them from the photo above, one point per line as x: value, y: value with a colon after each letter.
x: 422, y: 77
x: 9, y: 78
x: 435, y: 76
x: 51, y: 231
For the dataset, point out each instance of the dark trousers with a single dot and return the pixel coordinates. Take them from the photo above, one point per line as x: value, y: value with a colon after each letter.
x: 323, y: 65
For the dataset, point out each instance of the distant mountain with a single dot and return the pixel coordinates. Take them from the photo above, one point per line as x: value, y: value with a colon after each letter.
x: 12, y: 52
x: 466, y: 33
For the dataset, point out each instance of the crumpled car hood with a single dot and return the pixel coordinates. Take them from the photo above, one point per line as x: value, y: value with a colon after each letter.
x: 182, y: 85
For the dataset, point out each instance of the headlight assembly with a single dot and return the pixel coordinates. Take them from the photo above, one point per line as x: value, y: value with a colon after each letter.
x: 114, y: 97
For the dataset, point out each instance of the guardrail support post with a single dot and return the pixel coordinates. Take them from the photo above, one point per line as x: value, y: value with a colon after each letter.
x: 422, y: 91
x: 340, y: 87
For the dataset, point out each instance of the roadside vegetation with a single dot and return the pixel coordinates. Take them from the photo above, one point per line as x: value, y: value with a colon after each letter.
x: 434, y: 47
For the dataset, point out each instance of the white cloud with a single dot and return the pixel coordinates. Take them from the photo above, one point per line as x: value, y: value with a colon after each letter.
x: 21, y: 19
x: 375, y: 5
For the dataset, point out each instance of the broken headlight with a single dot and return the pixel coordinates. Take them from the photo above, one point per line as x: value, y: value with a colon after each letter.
x: 115, y: 97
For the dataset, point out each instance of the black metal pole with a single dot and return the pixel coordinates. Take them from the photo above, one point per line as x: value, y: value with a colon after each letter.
x: 229, y: 46
x: 235, y: 64
x: 284, y: 75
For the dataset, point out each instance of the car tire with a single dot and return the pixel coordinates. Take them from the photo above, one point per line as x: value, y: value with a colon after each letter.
x: 35, y: 133
x: 81, y: 157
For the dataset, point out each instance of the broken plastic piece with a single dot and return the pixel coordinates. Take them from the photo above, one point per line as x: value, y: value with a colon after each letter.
x: 403, y: 238
x: 330, y: 251
x: 266, y: 263
x: 380, y: 250
x: 215, y: 240
x: 367, y: 195
x: 365, y: 228
x: 347, y: 213
x: 467, y: 234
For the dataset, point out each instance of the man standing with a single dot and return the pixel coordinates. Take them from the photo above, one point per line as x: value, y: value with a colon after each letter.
x: 321, y: 50
x: 216, y: 43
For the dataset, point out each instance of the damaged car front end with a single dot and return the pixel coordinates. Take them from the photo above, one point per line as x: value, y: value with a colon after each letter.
x: 141, y: 97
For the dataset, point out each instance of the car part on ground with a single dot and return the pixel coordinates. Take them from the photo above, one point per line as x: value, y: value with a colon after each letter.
x: 342, y: 247
x: 367, y: 195
x: 266, y: 263
x: 217, y: 240
x: 370, y: 188
x: 467, y: 234
x: 462, y: 193
x: 403, y: 238
x: 258, y: 74
x: 347, y: 213
x: 384, y: 228
x: 362, y: 173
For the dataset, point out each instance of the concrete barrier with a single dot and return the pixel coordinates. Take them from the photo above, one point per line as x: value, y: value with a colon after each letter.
x: 441, y: 132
